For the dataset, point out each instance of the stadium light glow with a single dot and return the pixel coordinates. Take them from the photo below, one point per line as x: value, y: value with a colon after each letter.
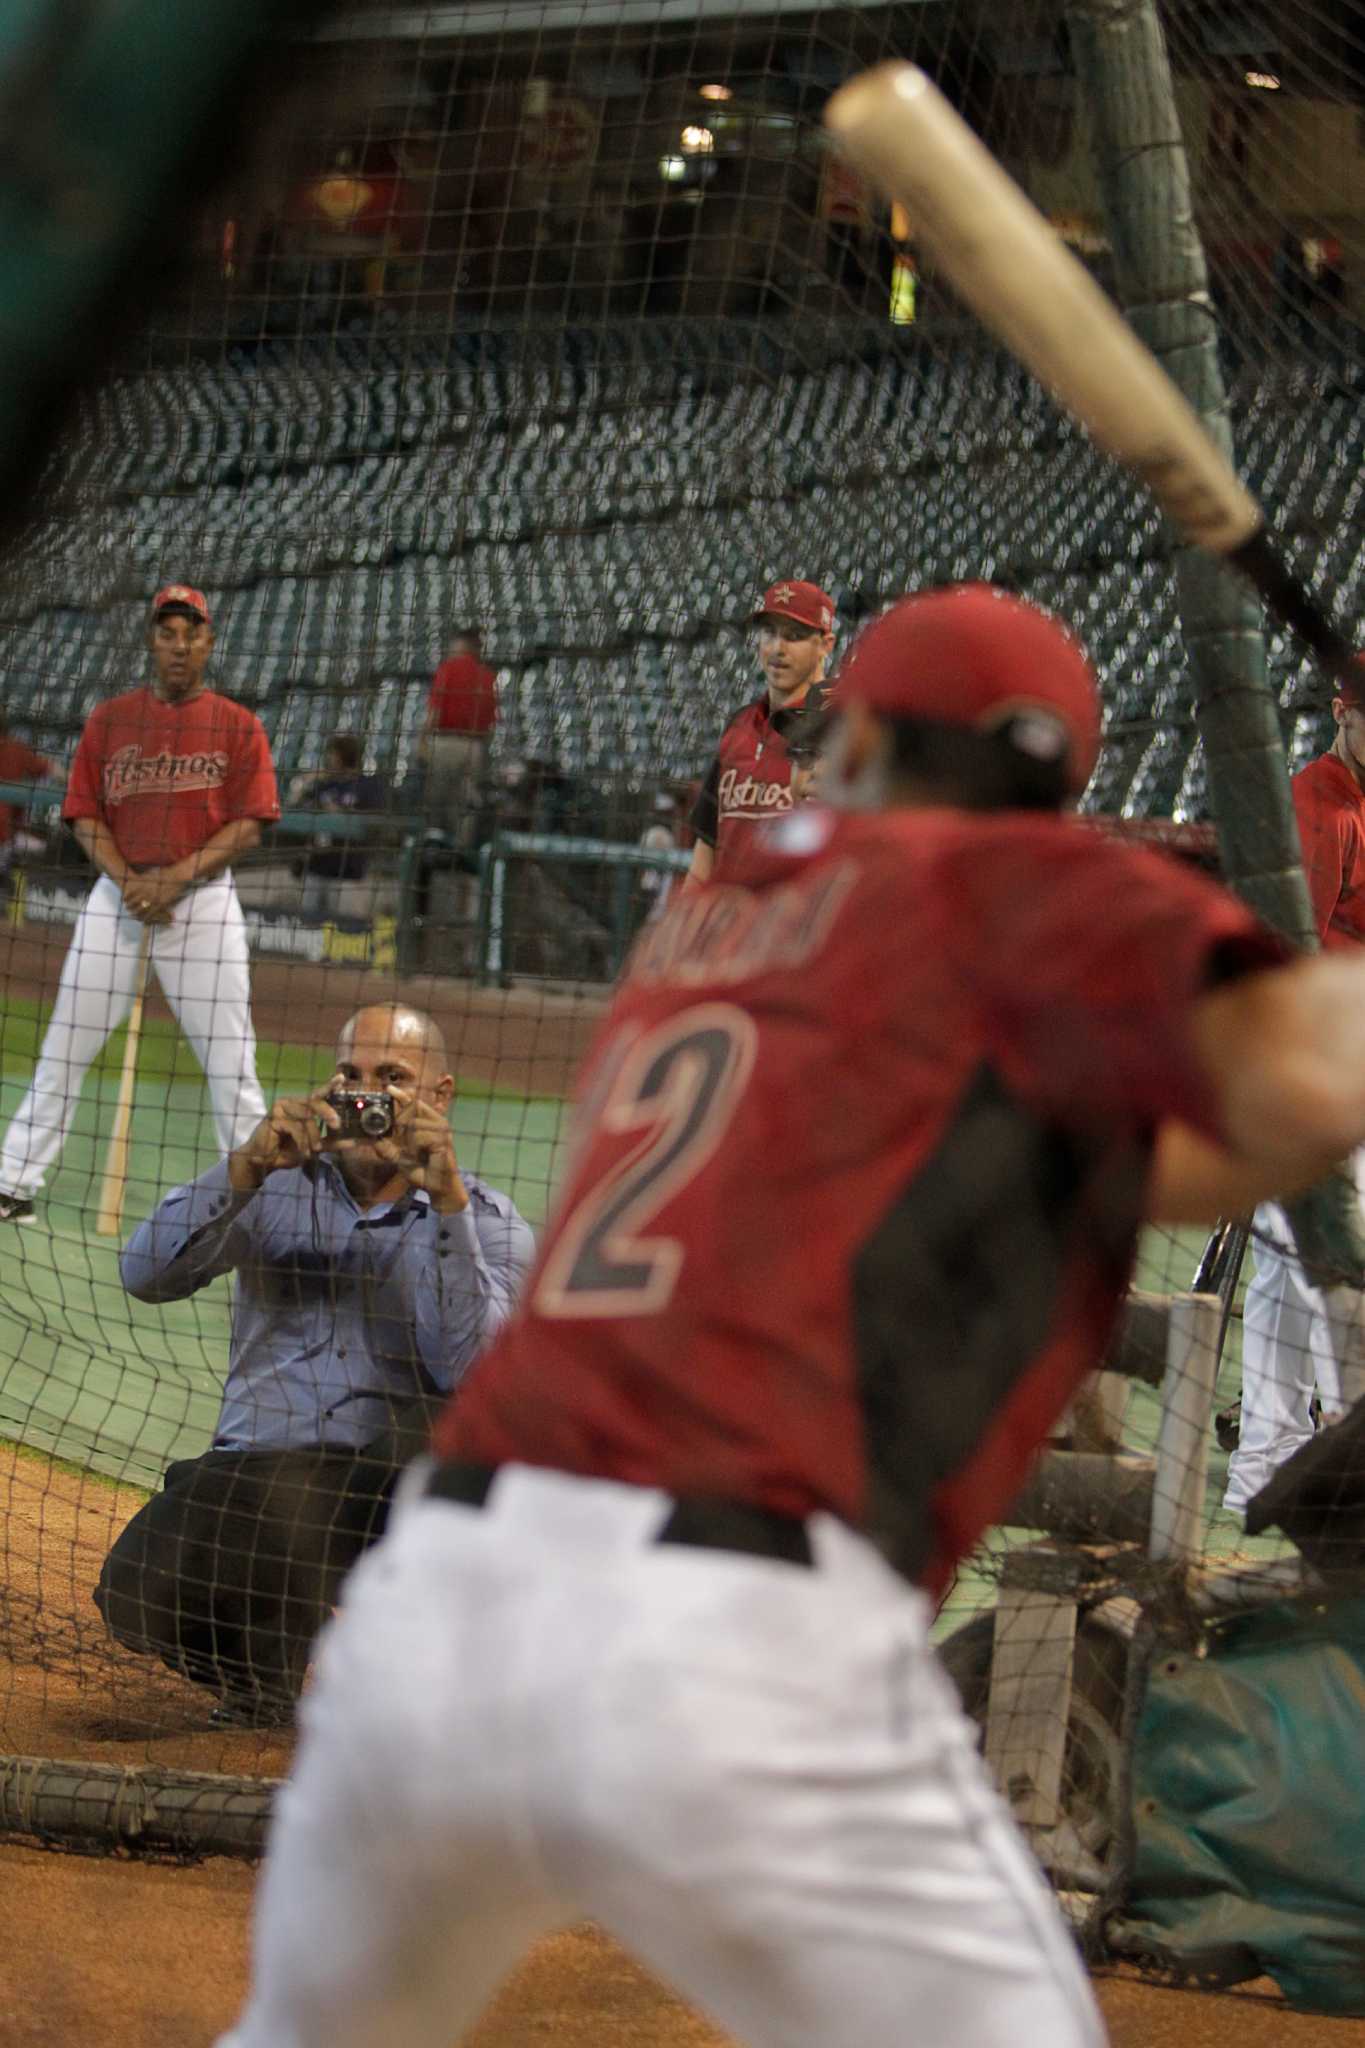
x: 1265, y: 81
x: 715, y: 92
x: 698, y: 140
x: 671, y: 168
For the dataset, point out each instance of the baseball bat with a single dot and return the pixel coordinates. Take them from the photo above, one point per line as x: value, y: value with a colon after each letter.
x: 109, y: 1214
x: 1023, y: 282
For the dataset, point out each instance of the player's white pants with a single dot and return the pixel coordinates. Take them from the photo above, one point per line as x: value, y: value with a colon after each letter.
x: 1293, y: 1346
x: 755, y: 1775
x: 201, y: 962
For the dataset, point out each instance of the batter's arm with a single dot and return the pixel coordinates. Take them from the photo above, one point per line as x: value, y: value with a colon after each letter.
x: 1284, y: 1054
x: 1195, y: 1181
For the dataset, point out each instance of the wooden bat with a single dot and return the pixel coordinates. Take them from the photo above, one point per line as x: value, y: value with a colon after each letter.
x: 109, y: 1215
x: 1022, y: 281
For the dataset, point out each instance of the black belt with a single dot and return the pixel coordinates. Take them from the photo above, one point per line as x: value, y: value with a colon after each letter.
x: 699, y: 1521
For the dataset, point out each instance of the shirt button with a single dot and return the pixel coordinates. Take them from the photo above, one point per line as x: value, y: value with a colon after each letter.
x: 445, y: 1237
x: 341, y: 1351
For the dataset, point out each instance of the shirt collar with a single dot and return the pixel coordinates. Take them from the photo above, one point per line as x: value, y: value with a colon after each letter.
x: 417, y: 1198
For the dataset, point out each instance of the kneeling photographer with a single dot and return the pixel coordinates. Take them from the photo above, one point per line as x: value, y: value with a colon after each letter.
x: 369, y: 1274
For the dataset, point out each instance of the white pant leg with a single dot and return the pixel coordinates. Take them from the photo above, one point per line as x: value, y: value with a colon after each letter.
x: 1339, y: 1329
x: 94, y: 996
x: 791, y: 1823
x: 754, y: 1774
x: 400, y: 1886
x: 1278, y: 1369
x: 202, y: 963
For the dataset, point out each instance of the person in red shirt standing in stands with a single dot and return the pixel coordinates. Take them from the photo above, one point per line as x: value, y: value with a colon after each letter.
x: 862, y: 1154
x: 462, y: 711
x: 1288, y: 1356
x: 170, y: 784
x: 18, y: 763
x: 749, y: 779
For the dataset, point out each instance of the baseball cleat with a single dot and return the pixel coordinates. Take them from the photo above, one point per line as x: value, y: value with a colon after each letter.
x: 17, y: 1209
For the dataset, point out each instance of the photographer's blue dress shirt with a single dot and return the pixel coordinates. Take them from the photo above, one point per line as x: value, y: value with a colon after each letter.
x: 336, y: 1310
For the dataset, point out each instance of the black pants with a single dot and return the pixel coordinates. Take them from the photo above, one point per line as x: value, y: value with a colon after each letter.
x: 228, y: 1573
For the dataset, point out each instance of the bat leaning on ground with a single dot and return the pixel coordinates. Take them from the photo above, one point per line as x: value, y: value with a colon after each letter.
x: 1022, y: 281
x: 109, y: 1213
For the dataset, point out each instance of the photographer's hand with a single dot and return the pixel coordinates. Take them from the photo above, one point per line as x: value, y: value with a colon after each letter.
x: 294, y: 1130
x: 422, y: 1149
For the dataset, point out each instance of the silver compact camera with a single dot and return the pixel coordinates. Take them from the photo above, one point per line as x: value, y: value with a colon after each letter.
x: 362, y: 1115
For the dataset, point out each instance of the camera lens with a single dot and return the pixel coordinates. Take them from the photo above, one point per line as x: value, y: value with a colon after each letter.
x: 376, y: 1119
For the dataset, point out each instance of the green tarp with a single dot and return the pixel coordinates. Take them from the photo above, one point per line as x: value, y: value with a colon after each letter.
x: 1249, y: 1805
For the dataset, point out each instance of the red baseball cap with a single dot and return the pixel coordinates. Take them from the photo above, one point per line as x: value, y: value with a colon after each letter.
x: 976, y: 656
x: 182, y: 594
x: 807, y: 603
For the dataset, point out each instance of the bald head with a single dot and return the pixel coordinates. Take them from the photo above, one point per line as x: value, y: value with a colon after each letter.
x: 390, y: 1043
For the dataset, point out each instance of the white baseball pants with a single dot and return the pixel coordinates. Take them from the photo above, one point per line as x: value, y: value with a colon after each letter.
x: 1296, y: 1341
x: 754, y: 1774
x: 200, y: 960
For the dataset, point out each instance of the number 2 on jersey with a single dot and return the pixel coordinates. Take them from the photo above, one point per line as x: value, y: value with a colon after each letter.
x: 677, y: 1087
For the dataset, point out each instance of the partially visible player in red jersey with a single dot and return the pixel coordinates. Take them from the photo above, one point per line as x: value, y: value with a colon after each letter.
x: 1329, y: 804
x: 170, y: 784
x: 862, y: 1154
x: 18, y: 763
x: 1289, y: 1358
x: 749, y: 780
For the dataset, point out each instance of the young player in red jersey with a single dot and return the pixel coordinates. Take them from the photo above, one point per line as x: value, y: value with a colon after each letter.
x: 1289, y: 1357
x: 170, y: 784
x: 862, y: 1153
x: 749, y: 780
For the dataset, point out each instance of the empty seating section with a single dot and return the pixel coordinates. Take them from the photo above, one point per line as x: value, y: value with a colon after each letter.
x: 606, y: 506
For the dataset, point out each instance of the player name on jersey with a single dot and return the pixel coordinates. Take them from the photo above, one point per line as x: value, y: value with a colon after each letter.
x: 730, y: 934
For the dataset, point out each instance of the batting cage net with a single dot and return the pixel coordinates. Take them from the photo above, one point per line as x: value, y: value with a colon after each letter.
x: 456, y: 435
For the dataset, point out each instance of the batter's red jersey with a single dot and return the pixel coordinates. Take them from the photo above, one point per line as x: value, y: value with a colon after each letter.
x: 166, y: 777
x: 861, y: 1162
x: 749, y: 781
x: 1330, y: 807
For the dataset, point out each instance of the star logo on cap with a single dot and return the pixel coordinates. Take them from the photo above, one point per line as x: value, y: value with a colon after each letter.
x: 783, y: 593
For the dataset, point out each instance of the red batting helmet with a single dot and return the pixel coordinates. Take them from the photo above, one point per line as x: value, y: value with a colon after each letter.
x: 976, y: 656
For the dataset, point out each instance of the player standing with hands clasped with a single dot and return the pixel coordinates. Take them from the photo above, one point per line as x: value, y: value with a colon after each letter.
x: 170, y: 784
x: 749, y: 780
x: 649, y: 1643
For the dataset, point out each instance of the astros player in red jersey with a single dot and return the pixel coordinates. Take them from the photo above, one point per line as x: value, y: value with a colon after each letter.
x: 170, y: 784
x: 862, y: 1153
x: 749, y: 781
x: 1288, y: 1353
